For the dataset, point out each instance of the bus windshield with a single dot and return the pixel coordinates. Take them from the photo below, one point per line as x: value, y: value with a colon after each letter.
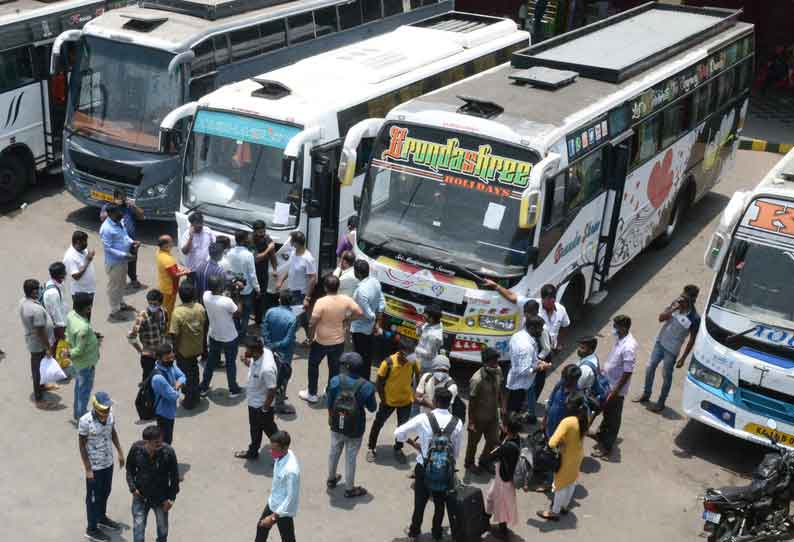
x: 120, y: 93
x: 233, y: 169
x: 756, y: 283
x: 448, y: 197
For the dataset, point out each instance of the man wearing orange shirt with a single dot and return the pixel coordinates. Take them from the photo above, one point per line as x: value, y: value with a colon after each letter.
x: 168, y: 273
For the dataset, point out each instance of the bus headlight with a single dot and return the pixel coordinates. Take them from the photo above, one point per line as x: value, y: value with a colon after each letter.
x: 497, y: 323
x: 702, y: 373
x: 156, y: 190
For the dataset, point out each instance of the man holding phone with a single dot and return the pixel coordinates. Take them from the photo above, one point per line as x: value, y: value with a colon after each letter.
x: 131, y: 213
x: 680, y: 320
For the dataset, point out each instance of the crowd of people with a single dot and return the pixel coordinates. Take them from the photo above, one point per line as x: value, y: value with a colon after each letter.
x: 223, y: 286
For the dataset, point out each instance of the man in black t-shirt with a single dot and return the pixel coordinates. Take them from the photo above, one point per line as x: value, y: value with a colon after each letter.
x: 265, y: 260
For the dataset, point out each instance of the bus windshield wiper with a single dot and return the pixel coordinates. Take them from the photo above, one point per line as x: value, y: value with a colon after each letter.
x: 741, y: 334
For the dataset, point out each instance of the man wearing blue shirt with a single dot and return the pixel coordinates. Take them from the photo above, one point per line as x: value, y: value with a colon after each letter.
x: 167, y: 382
x: 278, y: 331
x: 243, y: 268
x: 119, y: 250
x: 131, y: 213
x: 369, y: 297
x: 282, y: 505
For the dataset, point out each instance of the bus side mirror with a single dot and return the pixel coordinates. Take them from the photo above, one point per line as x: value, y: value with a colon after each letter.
x: 532, y: 256
x: 529, y: 211
x: 713, y: 256
x: 171, y: 141
x: 347, y: 166
x: 56, y: 63
x: 288, y: 166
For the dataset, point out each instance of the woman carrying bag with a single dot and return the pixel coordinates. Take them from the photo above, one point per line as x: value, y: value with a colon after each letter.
x: 500, y: 497
x: 567, y: 438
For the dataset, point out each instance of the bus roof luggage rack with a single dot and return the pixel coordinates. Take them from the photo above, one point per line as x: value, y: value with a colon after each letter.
x: 619, y: 47
x: 479, y: 108
x: 211, y: 9
x: 544, y: 77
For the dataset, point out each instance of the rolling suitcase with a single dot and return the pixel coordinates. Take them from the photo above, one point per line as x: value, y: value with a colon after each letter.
x: 470, y: 521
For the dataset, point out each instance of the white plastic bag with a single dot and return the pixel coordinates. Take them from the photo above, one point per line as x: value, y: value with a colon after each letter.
x: 50, y: 371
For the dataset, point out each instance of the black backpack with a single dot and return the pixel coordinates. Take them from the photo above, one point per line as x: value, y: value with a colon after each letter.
x: 145, y: 401
x: 345, y: 410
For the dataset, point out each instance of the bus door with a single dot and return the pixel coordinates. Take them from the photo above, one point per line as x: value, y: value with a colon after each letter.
x: 618, y: 154
x: 324, y: 200
x: 55, y: 88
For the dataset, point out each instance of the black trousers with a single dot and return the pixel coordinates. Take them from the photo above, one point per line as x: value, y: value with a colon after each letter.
x: 364, y: 344
x: 190, y: 367
x: 132, y: 269
x: 286, y: 528
x: 260, y: 421
x: 166, y: 426
x: 147, y: 366
x: 383, y: 414
x: 608, y: 431
x: 441, y: 501
x: 35, y: 373
x: 515, y: 400
x: 540, y: 381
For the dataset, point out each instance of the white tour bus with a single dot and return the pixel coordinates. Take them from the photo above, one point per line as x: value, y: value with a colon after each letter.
x: 268, y: 148
x: 558, y: 168
x: 135, y: 65
x: 32, y: 101
x: 740, y: 376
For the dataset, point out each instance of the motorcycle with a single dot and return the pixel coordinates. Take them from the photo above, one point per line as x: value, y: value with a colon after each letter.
x: 756, y: 512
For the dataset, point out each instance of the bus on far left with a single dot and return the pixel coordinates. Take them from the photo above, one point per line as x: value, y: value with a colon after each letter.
x: 32, y: 101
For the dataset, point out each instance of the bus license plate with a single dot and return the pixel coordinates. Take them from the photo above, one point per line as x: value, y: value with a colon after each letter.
x: 101, y: 196
x: 711, y: 517
x: 779, y: 436
x: 407, y: 331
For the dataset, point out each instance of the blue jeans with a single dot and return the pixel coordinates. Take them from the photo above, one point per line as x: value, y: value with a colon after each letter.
x: 83, y: 384
x: 97, y: 492
x: 531, y: 400
x: 659, y: 355
x: 316, y: 354
x: 214, y: 356
x: 247, y: 307
x: 140, y: 514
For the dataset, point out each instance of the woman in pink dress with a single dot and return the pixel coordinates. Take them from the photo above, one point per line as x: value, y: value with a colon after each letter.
x: 500, y: 497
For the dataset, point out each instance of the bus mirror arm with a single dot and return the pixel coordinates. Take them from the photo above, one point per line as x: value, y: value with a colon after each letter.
x: 292, y: 151
x: 55, y: 56
x: 171, y: 138
x: 185, y: 57
x: 357, y: 132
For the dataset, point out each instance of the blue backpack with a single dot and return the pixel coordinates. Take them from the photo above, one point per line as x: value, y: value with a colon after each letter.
x: 600, y: 387
x: 440, y: 460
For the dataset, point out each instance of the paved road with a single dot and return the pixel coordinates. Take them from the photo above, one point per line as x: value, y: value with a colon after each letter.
x: 650, y: 494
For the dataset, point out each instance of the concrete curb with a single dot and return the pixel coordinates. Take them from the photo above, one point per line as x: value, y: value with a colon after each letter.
x: 747, y: 144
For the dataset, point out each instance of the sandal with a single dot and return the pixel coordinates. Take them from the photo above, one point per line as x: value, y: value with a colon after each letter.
x: 243, y: 454
x: 357, y: 491
x: 547, y: 515
x: 370, y: 456
x: 330, y: 484
x: 46, y: 405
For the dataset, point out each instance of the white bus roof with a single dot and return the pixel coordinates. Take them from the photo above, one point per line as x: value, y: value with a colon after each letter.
x: 541, y: 114
x: 177, y: 32
x: 20, y: 10
x: 332, y: 81
x: 779, y: 181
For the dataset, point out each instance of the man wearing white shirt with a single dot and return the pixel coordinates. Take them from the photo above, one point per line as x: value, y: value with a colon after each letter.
x: 79, y: 262
x: 242, y: 267
x: 54, y: 298
x: 261, y: 394
x: 222, y: 336
x: 421, y: 425
x: 348, y: 282
x: 195, y: 242
x: 524, y: 366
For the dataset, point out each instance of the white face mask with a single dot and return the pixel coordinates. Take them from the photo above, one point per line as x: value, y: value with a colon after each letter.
x: 615, y: 332
x: 440, y: 376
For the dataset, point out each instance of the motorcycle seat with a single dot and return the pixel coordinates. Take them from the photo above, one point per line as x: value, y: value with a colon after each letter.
x: 749, y: 492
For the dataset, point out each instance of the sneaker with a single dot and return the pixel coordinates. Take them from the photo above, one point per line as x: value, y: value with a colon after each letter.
x: 306, y: 396
x: 97, y: 535
x: 108, y: 523
x: 284, y: 409
x: 117, y: 316
x: 641, y: 399
x: 203, y: 392
x: 236, y: 393
x: 370, y: 456
x: 656, y: 407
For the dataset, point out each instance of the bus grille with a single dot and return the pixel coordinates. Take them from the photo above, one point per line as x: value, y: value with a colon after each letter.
x: 766, y: 402
x: 106, y: 169
x: 423, y: 300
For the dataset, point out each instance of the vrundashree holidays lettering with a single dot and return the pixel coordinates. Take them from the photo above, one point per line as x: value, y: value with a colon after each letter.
x: 449, y: 156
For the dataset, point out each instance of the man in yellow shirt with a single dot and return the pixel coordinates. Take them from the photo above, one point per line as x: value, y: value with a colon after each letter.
x: 168, y: 273
x: 396, y: 391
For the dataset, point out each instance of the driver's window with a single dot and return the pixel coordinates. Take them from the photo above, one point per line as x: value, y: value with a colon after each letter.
x: 554, y: 204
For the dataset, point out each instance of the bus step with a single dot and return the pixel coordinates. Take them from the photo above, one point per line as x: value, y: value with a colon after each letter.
x: 597, y: 297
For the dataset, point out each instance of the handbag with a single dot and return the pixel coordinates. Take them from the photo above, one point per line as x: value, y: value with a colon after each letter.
x: 49, y: 371
x: 62, y: 353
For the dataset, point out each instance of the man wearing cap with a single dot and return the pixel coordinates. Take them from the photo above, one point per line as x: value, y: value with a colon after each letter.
x: 342, y: 436
x: 96, y: 431
x: 167, y: 384
x: 261, y: 394
x: 486, y: 401
x: 438, y: 378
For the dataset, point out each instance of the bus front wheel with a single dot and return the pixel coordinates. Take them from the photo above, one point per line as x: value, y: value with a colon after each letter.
x: 13, y: 178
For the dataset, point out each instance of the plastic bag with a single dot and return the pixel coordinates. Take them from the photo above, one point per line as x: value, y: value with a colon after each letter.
x: 50, y: 371
x: 62, y: 353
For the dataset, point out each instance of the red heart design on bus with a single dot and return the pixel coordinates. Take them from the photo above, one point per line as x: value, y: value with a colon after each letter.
x: 661, y: 181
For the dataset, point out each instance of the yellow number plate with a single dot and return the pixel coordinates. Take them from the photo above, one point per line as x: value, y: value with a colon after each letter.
x: 407, y: 331
x: 783, y: 438
x: 101, y: 196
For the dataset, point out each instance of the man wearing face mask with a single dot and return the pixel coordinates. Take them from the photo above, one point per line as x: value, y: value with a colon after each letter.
x: 486, y: 401
x: 79, y: 262
x: 149, y: 330
x: 167, y: 383
x: 54, y: 299
x: 282, y: 505
x: 524, y: 365
x: 83, y: 350
x: 618, y: 369
x: 588, y: 362
x: 429, y: 382
x: 260, y: 393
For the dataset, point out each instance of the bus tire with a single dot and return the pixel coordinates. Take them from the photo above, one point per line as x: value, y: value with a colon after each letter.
x: 680, y: 208
x: 13, y: 178
x: 573, y: 298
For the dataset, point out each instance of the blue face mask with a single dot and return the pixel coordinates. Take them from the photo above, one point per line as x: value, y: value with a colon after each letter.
x: 440, y: 376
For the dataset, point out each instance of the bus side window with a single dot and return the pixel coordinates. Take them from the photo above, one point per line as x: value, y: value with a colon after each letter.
x: 246, y: 43
x: 325, y: 21
x: 554, y: 204
x: 300, y: 28
x: 675, y: 121
x: 646, y: 140
x: 350, y: 15
x: 221, y: 49
x: 703, y: 102
x: 745, y: 75
x: 363, y: 154
x: 372, y: 10
x: 16, y: 69
x: 392, y: 7
x: 585, y: 181
x: 725, y: 86
x: 204, y: 62
x: 274, y: 35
